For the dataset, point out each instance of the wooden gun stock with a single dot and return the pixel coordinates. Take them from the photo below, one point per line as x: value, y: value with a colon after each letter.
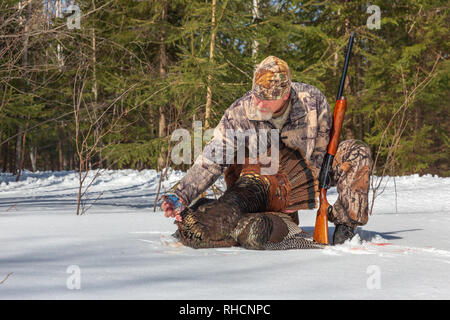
x: 321, y: 227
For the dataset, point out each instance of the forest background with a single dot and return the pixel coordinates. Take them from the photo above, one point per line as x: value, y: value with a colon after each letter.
x: 103, y: 84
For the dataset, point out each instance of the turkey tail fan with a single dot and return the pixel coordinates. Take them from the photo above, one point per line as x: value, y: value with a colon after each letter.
x: 303, y: 186
x: 293, y: 187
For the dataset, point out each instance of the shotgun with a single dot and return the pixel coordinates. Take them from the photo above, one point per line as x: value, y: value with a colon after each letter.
x: 321, y: 227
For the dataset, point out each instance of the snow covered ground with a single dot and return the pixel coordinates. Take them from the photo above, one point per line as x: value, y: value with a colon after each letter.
x: 121, y: 249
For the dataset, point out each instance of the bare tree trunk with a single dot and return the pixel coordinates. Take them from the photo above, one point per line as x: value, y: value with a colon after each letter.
x: 59, y: 53
x: 79, y: 145
x: 24, y: 65
x: 211, y: 61
x: 60, y: 150
x: 162, y: 68
x: 74, y: 162
x: 98, y: 126
x: 94, y: 67
x: 5, y: 156
x: 256, y: 17
x: 71, y: 164
x: 11, y: 162
x: 162, y: 123
x: 20, y: 139
x: 33, y: 156
x: 22, y: 151
x: 417, y: 119
x: 18, y: 149
x: 163, y: 62
x: 66, y: 165
x: 416, y: 125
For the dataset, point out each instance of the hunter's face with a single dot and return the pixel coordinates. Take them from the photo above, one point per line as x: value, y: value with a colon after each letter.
x: 266, y: 107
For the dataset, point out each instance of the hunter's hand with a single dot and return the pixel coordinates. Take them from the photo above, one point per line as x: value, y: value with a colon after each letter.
x: 172, y: 207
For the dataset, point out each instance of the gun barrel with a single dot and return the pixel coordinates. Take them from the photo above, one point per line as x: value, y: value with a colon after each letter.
x: 344, y: 71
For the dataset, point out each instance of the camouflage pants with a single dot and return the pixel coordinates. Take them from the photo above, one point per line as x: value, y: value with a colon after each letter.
x: 350, y: 174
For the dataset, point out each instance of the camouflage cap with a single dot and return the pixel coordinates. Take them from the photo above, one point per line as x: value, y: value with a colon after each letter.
x: 272, y: 79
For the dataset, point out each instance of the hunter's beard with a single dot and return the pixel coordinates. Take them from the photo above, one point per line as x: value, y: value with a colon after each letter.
x: 264, y: 115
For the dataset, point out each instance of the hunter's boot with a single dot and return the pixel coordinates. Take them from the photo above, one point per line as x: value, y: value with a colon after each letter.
x: 343, y: 233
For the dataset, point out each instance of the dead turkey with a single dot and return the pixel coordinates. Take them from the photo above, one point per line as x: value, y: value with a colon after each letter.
x: 249, y: 213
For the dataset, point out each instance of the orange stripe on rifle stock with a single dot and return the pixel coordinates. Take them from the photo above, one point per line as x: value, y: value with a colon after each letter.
x: 338, y: 119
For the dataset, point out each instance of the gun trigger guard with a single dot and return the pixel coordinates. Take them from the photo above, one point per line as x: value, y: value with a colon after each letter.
x: 330, y: 211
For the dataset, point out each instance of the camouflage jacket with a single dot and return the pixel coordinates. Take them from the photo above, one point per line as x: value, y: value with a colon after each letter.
x: 306, y: 129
